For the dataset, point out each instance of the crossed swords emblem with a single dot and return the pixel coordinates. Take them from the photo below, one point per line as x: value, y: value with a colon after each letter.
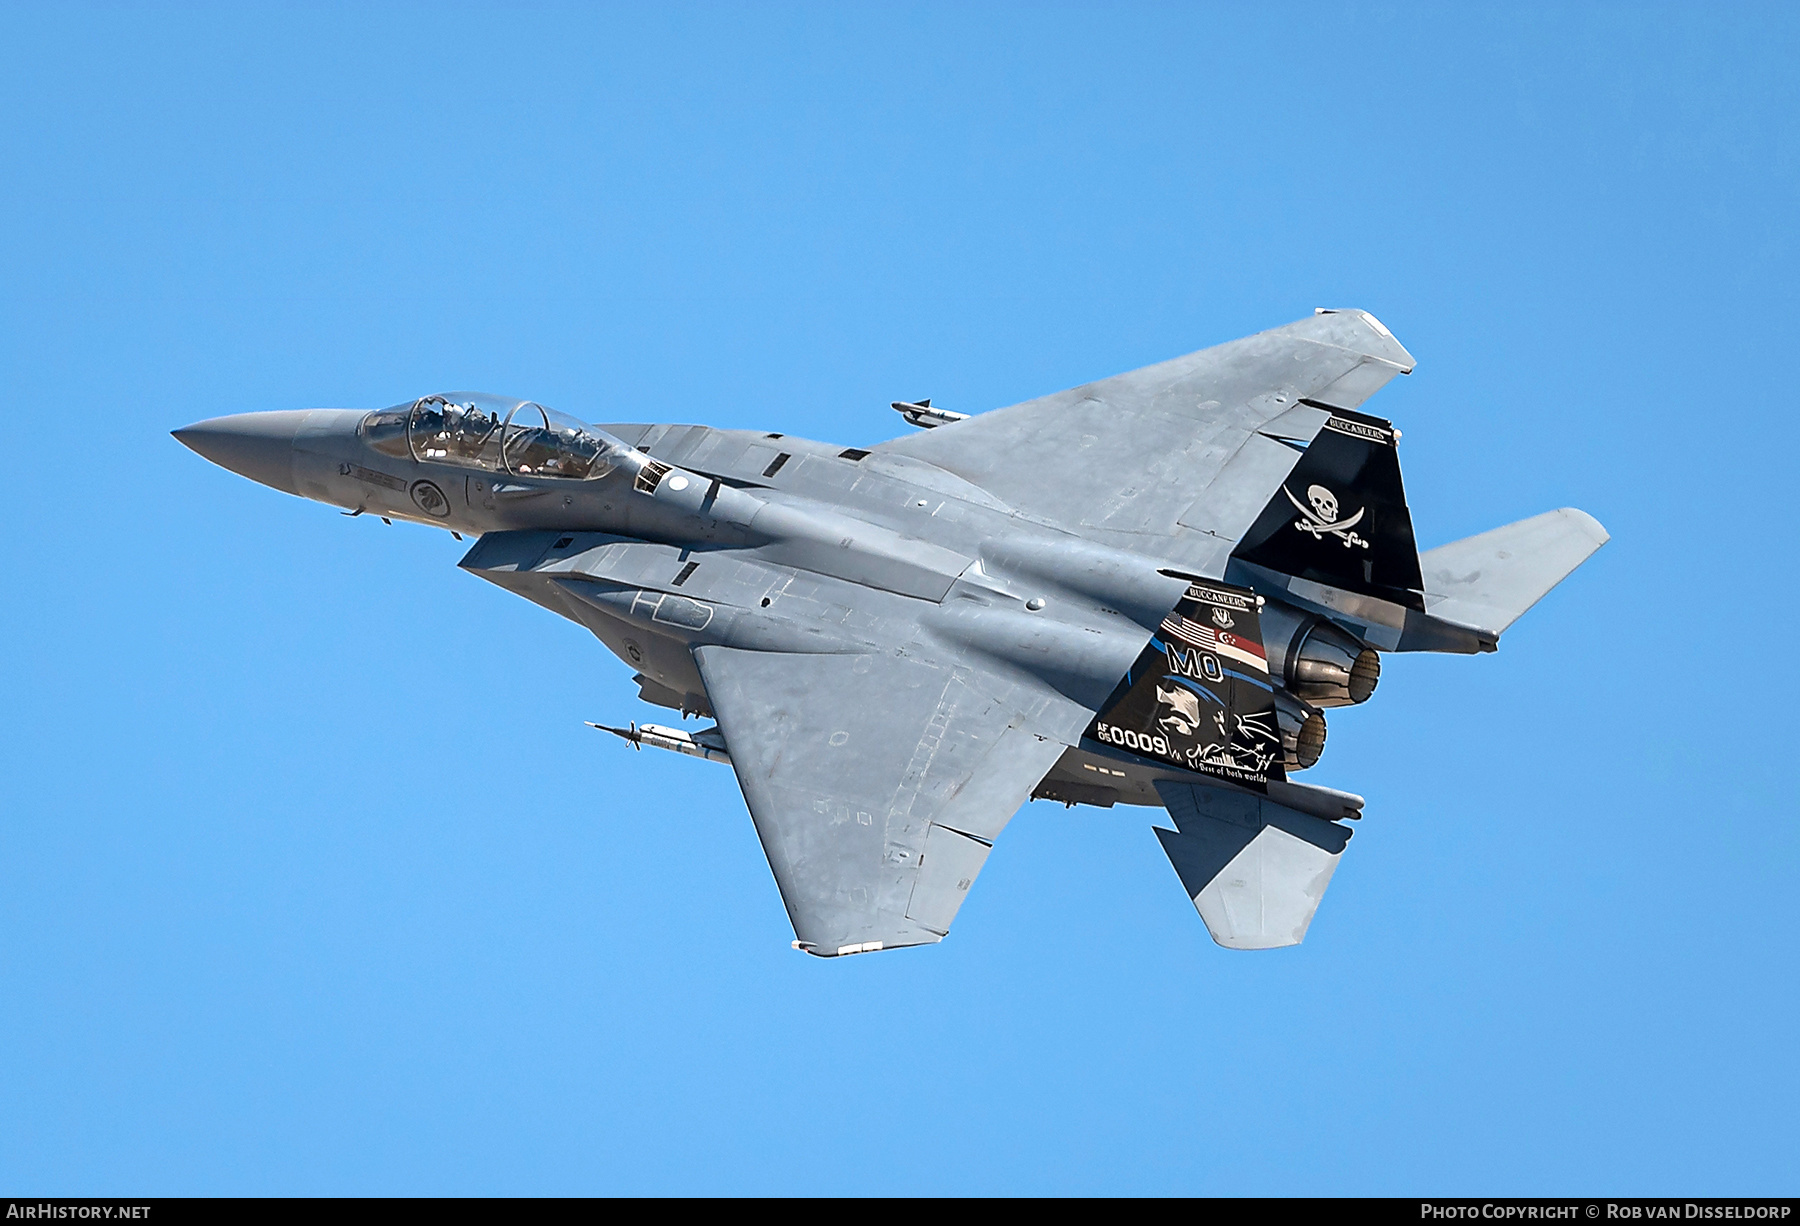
x: 1320, y: 520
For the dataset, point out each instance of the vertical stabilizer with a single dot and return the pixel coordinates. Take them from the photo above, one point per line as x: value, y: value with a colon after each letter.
x: 1199, y: 695
x: 1341, y: 518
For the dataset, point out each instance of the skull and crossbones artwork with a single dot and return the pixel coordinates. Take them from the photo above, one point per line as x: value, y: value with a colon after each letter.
x: 1321, y: 518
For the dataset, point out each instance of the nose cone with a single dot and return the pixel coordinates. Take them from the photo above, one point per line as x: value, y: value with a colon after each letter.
x: 259, y: 446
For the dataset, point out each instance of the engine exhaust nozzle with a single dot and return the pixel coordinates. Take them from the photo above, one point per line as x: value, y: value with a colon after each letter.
x: 1319, y: 664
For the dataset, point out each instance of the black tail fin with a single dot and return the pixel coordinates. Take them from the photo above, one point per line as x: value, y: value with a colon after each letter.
x: 1340, y: 518
x: 1199, y: 695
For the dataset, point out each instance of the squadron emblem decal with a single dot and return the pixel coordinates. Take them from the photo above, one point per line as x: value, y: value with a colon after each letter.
x: 1320, y: 520
x: 430, y: 498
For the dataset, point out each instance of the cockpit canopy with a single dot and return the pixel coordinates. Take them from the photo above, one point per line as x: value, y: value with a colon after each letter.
x: 495, y: 433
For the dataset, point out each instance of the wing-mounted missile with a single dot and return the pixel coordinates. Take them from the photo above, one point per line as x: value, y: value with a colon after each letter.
x: 708, y: 743
x: 921, y: 414
x: 1199, y: 695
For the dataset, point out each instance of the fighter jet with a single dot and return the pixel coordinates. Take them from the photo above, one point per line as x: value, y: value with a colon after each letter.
x: 1146, y: 590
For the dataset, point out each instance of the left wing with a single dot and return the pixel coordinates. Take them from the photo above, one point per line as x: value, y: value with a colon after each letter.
x: 878, y: 782
x: 1146, y: 453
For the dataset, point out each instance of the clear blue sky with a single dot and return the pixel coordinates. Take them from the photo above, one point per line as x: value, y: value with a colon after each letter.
x: 311, y: 879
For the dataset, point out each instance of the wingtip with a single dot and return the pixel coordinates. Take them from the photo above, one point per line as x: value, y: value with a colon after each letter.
x: 1595, y: 530
x: 1385, y: 345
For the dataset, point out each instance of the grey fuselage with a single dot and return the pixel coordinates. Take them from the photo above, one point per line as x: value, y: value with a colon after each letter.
x: 696, y: 536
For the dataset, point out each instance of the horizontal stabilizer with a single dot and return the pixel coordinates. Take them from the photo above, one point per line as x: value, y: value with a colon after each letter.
x: 1488, y: 581
x: 1254, y: 869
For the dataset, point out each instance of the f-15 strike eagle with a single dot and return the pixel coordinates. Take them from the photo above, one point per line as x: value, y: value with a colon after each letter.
x: 1146, y: 590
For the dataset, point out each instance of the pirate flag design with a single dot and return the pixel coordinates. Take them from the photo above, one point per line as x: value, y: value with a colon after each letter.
x: 1199, y: 695
x: 1341, y: 518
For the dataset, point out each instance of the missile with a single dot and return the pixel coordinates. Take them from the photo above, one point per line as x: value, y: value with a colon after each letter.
x: 924, y: 416
x: 707, y: 743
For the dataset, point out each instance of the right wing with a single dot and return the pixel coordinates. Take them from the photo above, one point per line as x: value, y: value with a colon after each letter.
x: 1130, y: 454
x: 878, y: 783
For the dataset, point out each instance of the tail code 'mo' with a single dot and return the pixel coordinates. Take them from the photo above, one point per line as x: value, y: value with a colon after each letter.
x: 1340, y: 518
